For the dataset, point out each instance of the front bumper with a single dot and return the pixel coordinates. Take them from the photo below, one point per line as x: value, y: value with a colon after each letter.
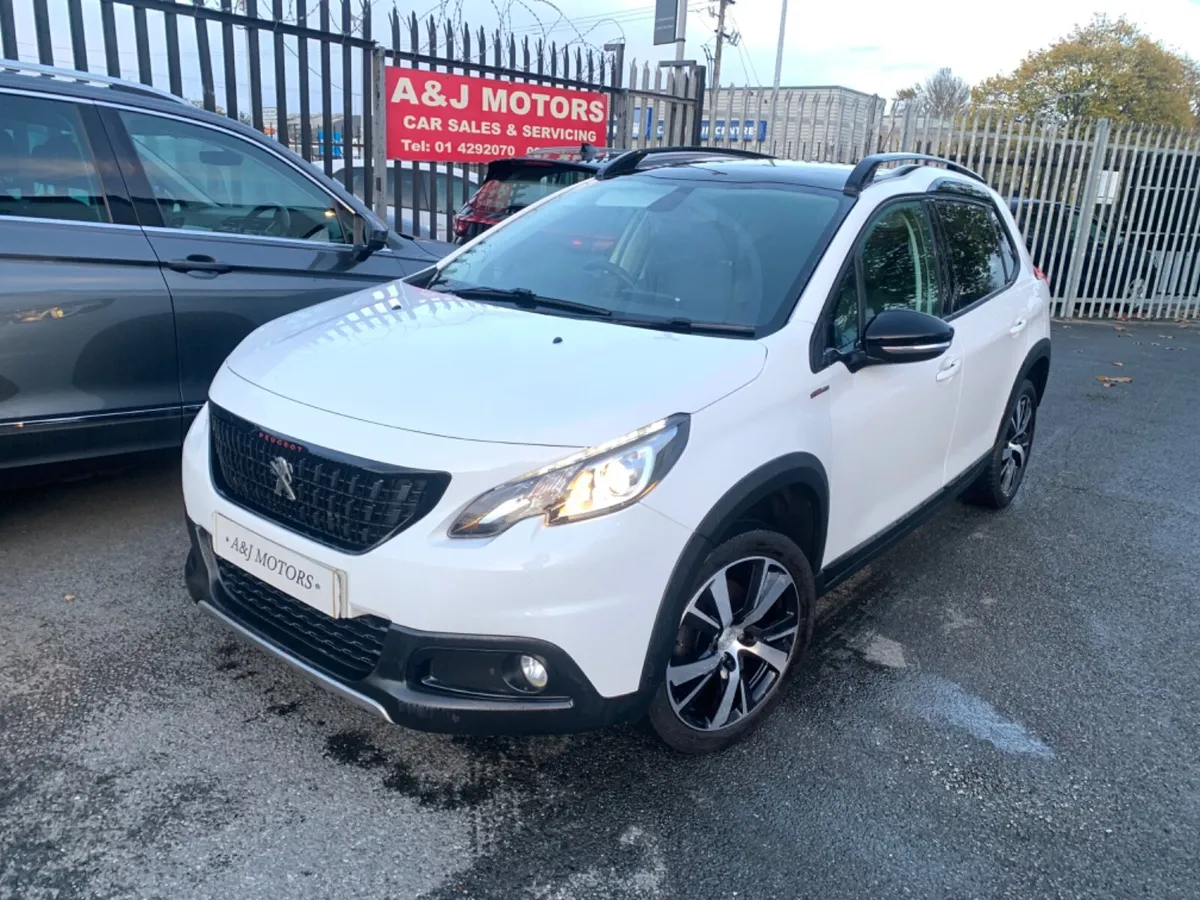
x: 584, y: 597
x: 399, y: 688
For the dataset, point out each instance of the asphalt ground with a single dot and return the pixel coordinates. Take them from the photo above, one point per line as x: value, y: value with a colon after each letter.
x: 1005, y: 705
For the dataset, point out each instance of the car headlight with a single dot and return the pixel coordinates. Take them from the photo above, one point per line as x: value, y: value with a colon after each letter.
x: 589, y: 483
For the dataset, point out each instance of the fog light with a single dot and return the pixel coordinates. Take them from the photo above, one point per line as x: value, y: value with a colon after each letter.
x: 534, y: 671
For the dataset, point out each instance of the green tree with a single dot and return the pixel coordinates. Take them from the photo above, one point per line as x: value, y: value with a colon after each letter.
x: 1109, y: 68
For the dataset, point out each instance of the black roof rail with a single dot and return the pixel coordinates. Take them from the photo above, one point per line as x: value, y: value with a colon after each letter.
x: 864, y: 172
x: 628, y: 162
x: 954, y: 186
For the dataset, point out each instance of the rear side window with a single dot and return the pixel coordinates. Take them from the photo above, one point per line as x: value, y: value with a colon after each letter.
x: 448, y: 188
x: 389, y: 189
x: 46, y: 166
x: 1012, y: 260
x: 517, y: 188
x: 979, y: 256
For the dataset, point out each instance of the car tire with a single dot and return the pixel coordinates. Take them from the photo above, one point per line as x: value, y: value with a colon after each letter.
x: 998, y: 484
x: 720, y: 681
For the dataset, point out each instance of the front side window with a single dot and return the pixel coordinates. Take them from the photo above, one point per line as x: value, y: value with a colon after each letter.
x: 844, y: 321
x: 898, y: 269
x: 206, y: 180
x: 662, y: 245
x: 975, y: 250
x: 46, y: 166
x: 894, y: 267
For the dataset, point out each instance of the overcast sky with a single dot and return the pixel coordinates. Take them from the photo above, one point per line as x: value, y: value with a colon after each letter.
x: 870, y: 45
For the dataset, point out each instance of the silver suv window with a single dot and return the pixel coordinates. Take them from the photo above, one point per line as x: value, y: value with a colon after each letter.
x: 47, y: 170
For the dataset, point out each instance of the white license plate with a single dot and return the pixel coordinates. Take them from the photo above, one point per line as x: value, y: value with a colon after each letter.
x: 296, y: 575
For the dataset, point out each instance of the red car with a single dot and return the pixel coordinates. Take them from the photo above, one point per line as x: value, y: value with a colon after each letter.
x: 510, y: 185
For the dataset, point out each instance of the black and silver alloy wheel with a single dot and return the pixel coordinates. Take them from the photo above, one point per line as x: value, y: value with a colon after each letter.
x: 734, y: 643
x: 1004, y: 474
x: 746, y: 621
x: 1018, y: 440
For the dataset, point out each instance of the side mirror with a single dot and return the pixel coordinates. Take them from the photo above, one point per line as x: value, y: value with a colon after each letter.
x: 368, y: 238
x: 906, y: 336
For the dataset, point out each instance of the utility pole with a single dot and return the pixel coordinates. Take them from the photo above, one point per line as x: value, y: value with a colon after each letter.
x: 778, y: 70
x: 721, y: 38
x: 681, y: 13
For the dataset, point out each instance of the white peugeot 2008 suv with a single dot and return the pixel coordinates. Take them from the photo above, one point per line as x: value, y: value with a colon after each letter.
x: 597, y: 464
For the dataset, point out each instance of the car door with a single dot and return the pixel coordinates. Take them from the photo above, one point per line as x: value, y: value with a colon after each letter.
x: 990, y: 315
x: 87, y: 341
x: 890, y: 424
x: 243, y: 236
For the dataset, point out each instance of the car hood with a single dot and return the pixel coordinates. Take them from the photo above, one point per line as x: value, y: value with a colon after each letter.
x: 403, y: 357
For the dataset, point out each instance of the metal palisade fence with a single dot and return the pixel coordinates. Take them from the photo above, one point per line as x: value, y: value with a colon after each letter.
x: 1111, y: 213
x: 1108, y: 212
x: 312, y: 77
x: 826, y: 123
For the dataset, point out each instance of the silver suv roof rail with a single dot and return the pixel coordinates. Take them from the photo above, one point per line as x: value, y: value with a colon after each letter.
x: 120, y: 84
x: 864, y: 172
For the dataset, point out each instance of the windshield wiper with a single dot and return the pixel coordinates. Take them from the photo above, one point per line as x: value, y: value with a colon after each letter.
x: 690, y: 326
x: 522, y: 297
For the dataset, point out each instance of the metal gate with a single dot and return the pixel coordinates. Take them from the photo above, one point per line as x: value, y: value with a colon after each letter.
x: 312, y: 76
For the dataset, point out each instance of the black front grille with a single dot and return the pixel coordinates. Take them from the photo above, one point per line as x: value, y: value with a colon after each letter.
x: 343, y: 502
x: 347, y: 649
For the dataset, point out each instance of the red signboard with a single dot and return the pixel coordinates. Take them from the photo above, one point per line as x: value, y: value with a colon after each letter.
x: 438, y: 117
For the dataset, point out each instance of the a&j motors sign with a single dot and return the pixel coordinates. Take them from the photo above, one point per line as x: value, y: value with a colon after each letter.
x: 439, y: 117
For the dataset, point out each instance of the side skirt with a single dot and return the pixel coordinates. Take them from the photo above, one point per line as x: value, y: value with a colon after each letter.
x: 848, y: 563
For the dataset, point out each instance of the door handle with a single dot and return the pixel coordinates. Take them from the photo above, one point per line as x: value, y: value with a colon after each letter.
x: 949, y: 369
x: 199, y: 263
x: 1018, y: 326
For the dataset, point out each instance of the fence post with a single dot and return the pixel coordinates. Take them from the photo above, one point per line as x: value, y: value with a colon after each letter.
x: 701, y: 85
x: 379, y: 134
x: 616, y: 105
x: 1087, y: 209
x: 619, y: 98
x: 908, y: 125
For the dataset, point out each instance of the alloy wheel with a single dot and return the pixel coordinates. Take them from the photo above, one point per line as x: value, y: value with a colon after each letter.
x: 1018, y: 439
x: 734, y: 644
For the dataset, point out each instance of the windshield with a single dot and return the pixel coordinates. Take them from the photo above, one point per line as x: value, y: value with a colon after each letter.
x: 736, y: 253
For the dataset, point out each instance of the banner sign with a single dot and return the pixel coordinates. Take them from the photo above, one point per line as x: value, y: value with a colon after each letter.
x: 439, y: 117
x: 666, y: 21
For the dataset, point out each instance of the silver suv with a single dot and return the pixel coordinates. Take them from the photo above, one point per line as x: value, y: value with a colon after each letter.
x: 141, y: 239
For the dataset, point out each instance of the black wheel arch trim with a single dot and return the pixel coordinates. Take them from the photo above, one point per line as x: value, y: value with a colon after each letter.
x: 784, y: 471
x: 1038, y: 352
